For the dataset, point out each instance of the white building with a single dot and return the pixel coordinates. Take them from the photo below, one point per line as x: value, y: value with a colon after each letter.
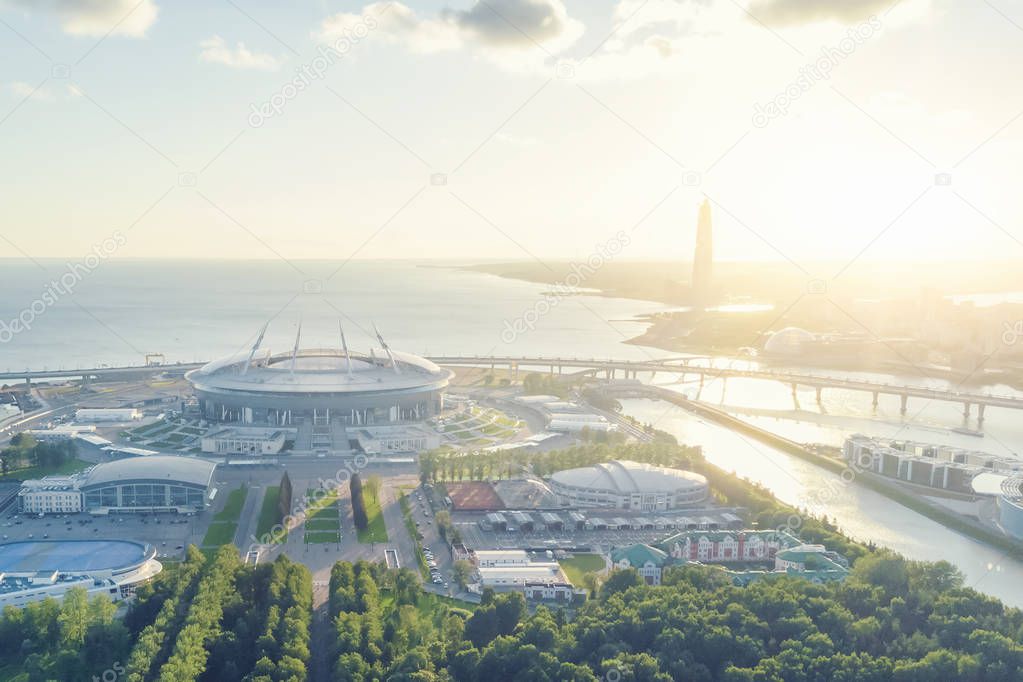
x: 161, y: 483
x: 628, y: 485
x: 108, y: 414
x: 552, y: 591
x: 244, y: 441
x: 51, y: 495
x: 519, y: 576
x: 490, y: 558
x: 391, y: 440
x: 574, y: 422
x: 61, y: 432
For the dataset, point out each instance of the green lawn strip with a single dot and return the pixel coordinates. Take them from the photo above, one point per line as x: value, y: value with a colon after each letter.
x: 322, y: 537
x: 579, y: 565
x: 69, y: 467
x: 219, y: 533
x: 322, y: 524
x: 413, y: 532
x: 269, y: 516
x: 376, y: 530
x: 233, y: 507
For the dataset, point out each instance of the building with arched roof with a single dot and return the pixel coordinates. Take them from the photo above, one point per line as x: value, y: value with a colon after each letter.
x: 622, y: 484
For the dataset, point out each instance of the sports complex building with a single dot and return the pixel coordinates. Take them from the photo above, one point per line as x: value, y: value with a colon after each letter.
x: 622, y: 484
x: 37, y: 569
x: 1010, y: 506
x: 320, y: 386
x: 160, y: 483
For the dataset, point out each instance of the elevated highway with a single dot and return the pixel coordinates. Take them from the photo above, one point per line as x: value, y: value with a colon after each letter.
x: 610, y: 368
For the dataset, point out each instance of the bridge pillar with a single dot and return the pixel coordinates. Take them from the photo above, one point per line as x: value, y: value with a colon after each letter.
x: 966, y: 410
x: 980, y: 415
x: 28, y: 383
x: 819, y: 391
x: 875, y: 400
x: 905, y: 403
x: 515, y: 368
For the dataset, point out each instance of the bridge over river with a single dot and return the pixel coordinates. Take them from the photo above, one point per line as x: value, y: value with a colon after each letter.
x: 611, y: 369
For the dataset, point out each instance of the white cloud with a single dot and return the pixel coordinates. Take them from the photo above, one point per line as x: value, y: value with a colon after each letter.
x: 23, y: 90
x: 96, y: 17
x: 790, y: 12
x: 43, y: 93
x: 500, y: 29
x: 216, y: 51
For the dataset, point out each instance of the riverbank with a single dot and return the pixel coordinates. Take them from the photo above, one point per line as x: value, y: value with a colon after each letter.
x: 886, y: 487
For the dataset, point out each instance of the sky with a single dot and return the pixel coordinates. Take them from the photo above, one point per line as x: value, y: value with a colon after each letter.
x: 837, y: 130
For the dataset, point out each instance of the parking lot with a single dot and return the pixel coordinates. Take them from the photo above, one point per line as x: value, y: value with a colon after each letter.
x: 168, y: 533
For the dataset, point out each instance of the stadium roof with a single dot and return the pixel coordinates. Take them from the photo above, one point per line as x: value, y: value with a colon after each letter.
x: 320, y: 370
x: 157, y: 467
x: 627, y: 477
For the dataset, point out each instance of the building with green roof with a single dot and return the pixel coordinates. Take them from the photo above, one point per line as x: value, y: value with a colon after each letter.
x: 648, y: 561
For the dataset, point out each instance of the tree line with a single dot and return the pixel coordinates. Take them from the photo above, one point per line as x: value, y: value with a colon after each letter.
x: 25, y: 451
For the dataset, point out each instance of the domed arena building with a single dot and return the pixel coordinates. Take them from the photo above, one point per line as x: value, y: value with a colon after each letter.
x: 789, y: 342
x: 622, y: 484
x: 320, y: 386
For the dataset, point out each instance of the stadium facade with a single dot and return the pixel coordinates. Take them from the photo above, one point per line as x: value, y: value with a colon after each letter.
x: 37, y: 569
x: 320, y: 386
x: 160, y: 483
x: 1010, y: 506
x: 622, y: 484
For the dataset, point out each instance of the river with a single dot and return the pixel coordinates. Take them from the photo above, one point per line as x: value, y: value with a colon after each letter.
x: 861, y: 513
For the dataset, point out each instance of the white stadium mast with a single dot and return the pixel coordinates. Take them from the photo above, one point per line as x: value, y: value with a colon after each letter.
x: 294, y: 353
x: 344, y: 346
x: 255, y: 347
x: 387, y: 349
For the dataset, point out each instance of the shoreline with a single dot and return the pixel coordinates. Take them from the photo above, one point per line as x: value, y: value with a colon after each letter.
x: 655, y: 337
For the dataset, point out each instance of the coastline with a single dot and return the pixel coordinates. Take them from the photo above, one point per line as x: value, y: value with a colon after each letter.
x: 673, y: 333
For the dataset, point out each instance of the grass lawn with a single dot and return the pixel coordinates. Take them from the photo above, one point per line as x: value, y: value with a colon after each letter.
x: 581, y: 564
x: 233, y: 508
x: 322, y: 524
x: 328, y: 512
x: 268, y: 514
x: 68, y: 467
x: 220, y: 533
x: 375, y: 530
x: 322, y: 537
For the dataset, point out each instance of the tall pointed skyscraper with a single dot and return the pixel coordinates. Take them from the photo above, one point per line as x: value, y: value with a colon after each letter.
x: 703, y: 259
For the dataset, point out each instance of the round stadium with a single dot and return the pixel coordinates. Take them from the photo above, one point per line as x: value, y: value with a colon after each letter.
x: 36, y: 569
x: 321, y: 386
x: 628, y: 485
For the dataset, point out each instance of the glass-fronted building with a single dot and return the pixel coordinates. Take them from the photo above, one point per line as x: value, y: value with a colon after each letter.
x: 161, y: 483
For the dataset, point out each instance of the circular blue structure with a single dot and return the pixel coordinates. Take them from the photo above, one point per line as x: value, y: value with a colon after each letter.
x: 32, y: 570
x: 97, y: 558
